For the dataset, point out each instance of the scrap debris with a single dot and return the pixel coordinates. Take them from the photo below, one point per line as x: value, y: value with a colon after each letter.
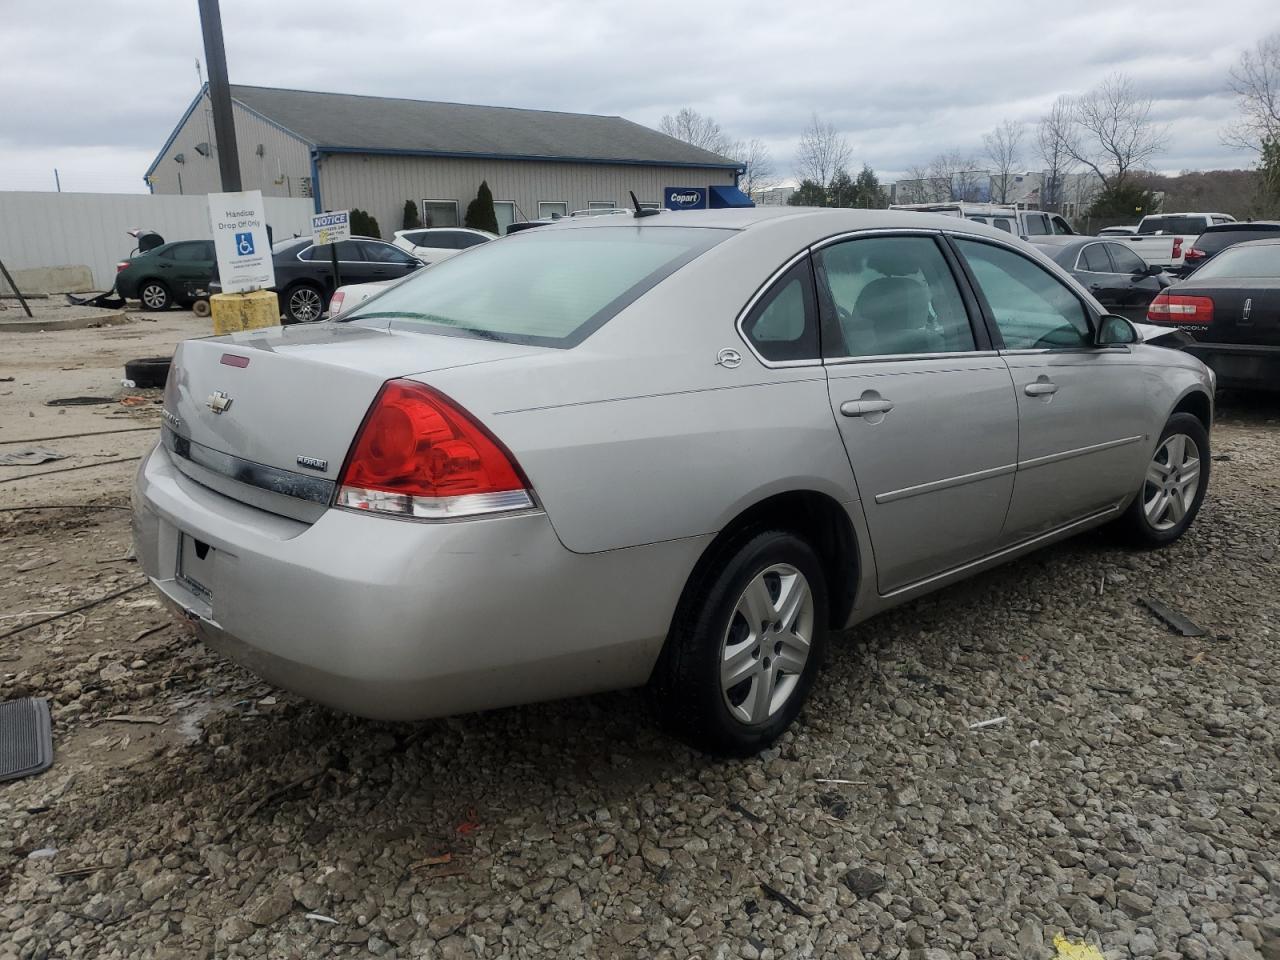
x: 30, y: 457
x: 987, y: 723
x: 1173, y: 619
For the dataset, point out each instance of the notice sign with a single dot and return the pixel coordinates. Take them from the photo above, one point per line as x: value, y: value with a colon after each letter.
x: 331, y: 227
x: 240, y: 242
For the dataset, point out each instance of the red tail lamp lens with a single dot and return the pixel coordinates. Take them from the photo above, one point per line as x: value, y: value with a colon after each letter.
x: 419, y: 454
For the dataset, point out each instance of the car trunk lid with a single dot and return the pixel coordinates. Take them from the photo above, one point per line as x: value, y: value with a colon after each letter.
x: 267, y: 416
x: 1245, y: 310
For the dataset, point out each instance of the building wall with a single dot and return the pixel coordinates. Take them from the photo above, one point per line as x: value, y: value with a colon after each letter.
x: 381, y: 184
x: 283, y: 170
x: 41, y: 230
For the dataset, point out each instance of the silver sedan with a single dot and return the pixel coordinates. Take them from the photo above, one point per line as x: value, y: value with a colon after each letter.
x: 678, y: 450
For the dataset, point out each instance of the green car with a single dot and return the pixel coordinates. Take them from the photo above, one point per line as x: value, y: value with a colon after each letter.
x: 177, y: 272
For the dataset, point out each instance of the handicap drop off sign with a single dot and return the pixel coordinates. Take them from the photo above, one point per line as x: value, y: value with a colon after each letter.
x: 240, y: 242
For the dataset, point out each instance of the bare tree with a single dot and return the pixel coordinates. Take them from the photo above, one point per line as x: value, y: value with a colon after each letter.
x: 1255, y: 81
x: 1112, y: 132
x: 823, y: 151
x: 954, y: 176
x: 759, y: 175
x: 697, y: 130
x: 1052, y: 134
x: 917, y: 186
x: 1003, y: 147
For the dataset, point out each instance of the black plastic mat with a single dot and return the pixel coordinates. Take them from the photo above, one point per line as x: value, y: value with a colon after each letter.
x: 26, y: 738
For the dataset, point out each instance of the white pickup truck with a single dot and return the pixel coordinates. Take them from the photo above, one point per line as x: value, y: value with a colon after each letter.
x: 1163, y: 239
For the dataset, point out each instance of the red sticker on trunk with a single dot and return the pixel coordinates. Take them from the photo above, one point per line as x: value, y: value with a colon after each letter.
x: 234, y: 360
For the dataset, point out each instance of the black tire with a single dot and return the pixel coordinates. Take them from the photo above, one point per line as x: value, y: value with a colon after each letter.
x: 1136, y: 525
x: 687, y: 681
x: 155, y: 295
x: 148, y: 371
x: 302, y: 295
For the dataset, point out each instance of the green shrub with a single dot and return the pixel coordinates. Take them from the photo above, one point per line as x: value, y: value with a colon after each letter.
x: 411, y: 219
x: 480, y: 212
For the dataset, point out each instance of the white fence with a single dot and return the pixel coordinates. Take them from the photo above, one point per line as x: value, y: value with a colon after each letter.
x: 40, y: 230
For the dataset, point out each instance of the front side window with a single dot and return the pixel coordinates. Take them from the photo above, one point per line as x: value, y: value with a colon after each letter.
x: 783, y: 325
x: 1061, y: 227
x: 1032, y: 308
x: 893, y: 296
x: 384, y: 253
x: 1002, y: 223
x: 1125, y: 260
x: 542, y: 287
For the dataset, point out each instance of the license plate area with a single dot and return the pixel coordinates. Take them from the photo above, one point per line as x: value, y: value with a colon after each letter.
x: 195, y: 566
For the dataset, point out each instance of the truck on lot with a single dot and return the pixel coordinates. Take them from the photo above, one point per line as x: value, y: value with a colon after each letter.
x: 1023, y: 223
x: 1164, y: 239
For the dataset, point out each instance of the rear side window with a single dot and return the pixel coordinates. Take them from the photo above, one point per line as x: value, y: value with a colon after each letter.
x: 1061, y: 227
x: 1093, y: 259
x: 465, y: 240
x: 893, y: 296
x: 546, y: 287
x: 783, y: 325
x: 1125, y: 260
x: 348, y: 252
x: 1037, y: 225
x: 1032, y: 308
x: 1002, y: 224
x: 188, y: 252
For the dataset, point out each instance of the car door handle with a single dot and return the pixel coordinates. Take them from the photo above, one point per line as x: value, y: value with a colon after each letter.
x: 1041, y: 388
x: 862, y: 408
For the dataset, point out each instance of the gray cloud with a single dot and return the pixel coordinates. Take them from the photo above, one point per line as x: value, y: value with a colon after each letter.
x: 94, y: 88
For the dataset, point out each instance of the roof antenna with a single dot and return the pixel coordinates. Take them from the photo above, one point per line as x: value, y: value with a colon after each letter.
x: 642, y: 211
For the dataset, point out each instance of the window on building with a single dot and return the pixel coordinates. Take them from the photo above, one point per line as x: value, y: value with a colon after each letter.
x: 552, y: 208
x: 440, y: 213
x: 506, y: 212
x: 601, y: 205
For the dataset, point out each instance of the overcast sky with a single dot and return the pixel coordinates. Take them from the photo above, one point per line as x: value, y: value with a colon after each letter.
x: 94, y: 87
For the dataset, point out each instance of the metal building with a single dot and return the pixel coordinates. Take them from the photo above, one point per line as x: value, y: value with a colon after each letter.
x: 374, y: 153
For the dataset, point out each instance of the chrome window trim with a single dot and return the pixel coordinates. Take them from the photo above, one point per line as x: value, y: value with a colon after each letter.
x: 287, y: 483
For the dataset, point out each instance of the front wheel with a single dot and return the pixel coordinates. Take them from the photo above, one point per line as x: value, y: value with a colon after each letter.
x: 1174, y: 484
x: 304, y: 304
x: 745, y: 645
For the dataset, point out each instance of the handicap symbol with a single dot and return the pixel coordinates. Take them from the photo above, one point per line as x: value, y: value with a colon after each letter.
x: 244, y: 244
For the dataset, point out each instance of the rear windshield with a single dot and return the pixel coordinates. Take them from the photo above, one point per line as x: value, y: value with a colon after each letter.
x: 1261, y: 261
x: 1172, y: 225
x: 547, y: 287
x: 1213, y: 241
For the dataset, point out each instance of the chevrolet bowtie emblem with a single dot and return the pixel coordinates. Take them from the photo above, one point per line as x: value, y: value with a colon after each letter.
x: 219, y: 402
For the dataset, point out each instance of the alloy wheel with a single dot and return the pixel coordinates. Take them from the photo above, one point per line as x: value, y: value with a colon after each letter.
x: 154, y: 296
x: 766, y: 644
x: 1173, y: 480
x: 304, y: 305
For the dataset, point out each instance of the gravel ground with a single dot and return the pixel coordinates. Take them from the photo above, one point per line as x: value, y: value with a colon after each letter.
x: 1128, y: 798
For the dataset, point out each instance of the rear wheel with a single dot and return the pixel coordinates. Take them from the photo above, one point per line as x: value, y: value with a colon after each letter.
x: 745, y: 645
x: 303, y: 304
x: 1174, y: 484
x: 154, y: 295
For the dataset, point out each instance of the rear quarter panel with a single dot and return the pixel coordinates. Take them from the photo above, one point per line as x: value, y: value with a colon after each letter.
x: 637, y: 435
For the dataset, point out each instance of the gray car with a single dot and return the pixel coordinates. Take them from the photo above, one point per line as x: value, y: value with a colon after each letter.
x: 678, y: 451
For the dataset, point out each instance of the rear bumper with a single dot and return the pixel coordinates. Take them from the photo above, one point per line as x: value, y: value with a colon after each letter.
x: 1241, y: 365
x: 402, y: 620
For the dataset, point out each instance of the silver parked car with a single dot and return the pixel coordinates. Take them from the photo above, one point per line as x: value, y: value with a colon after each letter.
x: 678, y: 450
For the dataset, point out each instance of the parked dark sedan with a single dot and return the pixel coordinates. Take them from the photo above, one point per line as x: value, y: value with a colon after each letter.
x: 1218, y: 237
x: 1121, y: 280
x: 177, y: 272
x: 304, y: 271
x: 1231, y: 306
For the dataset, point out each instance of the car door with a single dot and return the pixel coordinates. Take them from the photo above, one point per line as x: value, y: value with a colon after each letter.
x: 925, y: 407
x: 187, y: 267
x: 1083, y: 431
x: 1137, y: 287
x: 1094, y: 269
x: 384, y: 261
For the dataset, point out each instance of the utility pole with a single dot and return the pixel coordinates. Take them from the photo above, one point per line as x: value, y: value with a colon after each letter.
x: 224, y: 131
x: 57, y: 180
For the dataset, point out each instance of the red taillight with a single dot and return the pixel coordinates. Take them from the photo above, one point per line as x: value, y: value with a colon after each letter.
x: 335, y: 302
x: 420, y: 455
x: 1177, y: 247
x: 121, y: 265
x: 1175, y: 308
x: 1195, y: 255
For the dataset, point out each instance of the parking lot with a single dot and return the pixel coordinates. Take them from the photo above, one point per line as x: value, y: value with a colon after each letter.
x: 1123, y: 792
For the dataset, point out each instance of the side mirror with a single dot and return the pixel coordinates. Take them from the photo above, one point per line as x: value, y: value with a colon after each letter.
x: 1115, y: 331
x: 1154, y: 270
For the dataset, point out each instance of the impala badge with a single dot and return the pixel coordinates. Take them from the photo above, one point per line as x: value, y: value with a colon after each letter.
x: 313, y: 463
x: 219, y: 402
x: 728, y: 358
